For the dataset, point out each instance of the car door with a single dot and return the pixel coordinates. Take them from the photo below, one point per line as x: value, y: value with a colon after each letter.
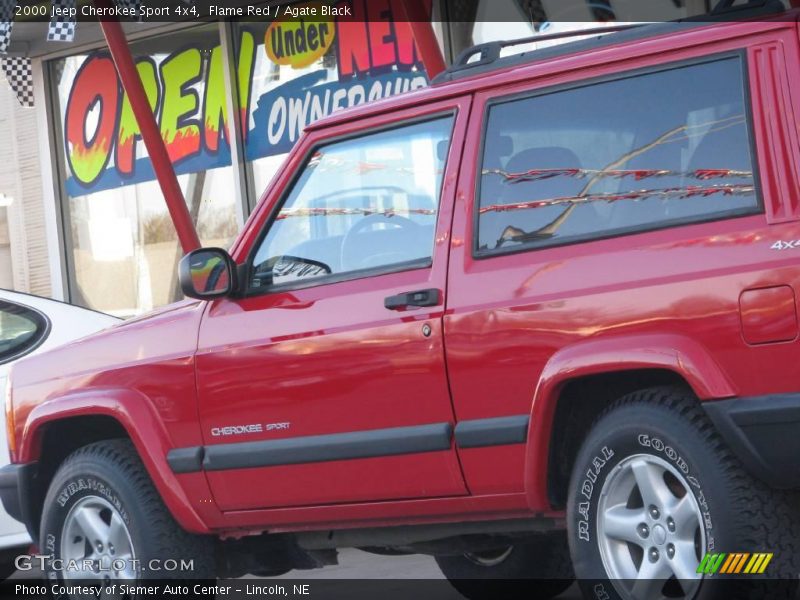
x: 326, y: 382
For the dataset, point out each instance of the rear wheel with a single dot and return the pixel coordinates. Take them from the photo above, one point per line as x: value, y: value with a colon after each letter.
x: 103, y: 520
x: 534, y: 569
x: 654, y: 489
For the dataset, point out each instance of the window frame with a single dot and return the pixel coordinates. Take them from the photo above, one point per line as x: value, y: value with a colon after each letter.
x: 42, y: 332
x: 759, y: 208
x: 246, y: 269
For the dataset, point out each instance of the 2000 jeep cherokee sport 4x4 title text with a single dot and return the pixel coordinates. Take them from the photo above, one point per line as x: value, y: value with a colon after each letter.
x: 541, y: 314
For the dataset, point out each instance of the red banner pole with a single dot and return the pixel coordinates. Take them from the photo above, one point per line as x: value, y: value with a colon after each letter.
x: 151, y: 134
x: 419, y: 19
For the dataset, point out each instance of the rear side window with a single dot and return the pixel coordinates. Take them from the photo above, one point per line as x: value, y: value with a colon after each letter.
x: 21, y: 330
x: 617, y: 157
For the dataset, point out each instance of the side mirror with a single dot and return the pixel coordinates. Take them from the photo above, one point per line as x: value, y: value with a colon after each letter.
x: 207, y: 273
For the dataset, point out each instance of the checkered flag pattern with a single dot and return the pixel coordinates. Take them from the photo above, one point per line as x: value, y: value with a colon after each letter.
x: 7, y: 10
x: 18, y: 74
x: 62, y: 27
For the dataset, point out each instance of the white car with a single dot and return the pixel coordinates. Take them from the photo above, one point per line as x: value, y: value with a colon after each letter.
x: 31, y: 324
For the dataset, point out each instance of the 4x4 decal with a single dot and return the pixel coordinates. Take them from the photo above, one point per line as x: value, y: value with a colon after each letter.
x: 781, y: 245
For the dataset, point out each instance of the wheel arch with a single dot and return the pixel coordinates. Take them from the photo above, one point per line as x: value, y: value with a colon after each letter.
x: 53, y: 430
x: 611, y: 368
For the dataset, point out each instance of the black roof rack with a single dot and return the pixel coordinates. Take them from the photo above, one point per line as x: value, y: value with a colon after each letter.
x: 489, y: 53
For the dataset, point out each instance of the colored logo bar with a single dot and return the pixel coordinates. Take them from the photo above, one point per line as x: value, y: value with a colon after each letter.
x: 735, y: 563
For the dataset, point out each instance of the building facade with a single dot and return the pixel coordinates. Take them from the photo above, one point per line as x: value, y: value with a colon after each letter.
x: 82, y: 217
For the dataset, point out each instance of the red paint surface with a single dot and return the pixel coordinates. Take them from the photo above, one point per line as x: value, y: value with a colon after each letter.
x: 140, y: 373
x: 769, y: 315
x: 512, y: 331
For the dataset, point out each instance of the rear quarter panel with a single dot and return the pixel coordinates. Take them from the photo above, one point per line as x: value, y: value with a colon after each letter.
x: 518, y: 325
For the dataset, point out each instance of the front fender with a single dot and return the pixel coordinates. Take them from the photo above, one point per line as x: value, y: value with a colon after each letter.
x: 147, y: 432
x: 679, y: 354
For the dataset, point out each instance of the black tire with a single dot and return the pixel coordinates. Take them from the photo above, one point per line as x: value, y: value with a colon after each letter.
x: 734, y: 511
x: 112, y: 471
x: 535, y: 569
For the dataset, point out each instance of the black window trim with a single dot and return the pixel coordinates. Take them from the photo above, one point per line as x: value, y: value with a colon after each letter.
x: 246, y: 291
x: 43, y: 328
x: 740, y: 54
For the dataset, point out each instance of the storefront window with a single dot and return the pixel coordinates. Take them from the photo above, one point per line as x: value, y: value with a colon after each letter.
x: 292, y: 72
x: 122, y: 245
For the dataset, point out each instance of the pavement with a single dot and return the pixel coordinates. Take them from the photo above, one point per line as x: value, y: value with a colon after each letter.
x: 355, y: 564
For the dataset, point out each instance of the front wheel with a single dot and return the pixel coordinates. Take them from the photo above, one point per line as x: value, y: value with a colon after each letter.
x: 103, y: 520
x: 533, y: 569
x: 654, y: 490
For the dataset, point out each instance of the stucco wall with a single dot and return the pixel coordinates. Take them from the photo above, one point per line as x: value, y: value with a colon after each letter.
x: 20, y: 179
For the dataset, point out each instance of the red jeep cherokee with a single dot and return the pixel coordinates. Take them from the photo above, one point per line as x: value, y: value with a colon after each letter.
x: 539, y: 316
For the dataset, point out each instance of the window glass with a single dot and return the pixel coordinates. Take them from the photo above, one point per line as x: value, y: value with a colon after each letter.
x: 20, y: 329
x: 123, y: 246
x: 292, y: 72
x: 359, y: 204
x: 615, y: 157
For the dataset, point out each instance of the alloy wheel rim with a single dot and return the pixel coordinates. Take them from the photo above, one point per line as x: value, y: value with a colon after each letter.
x: 95, y: 535
x: 650, y: 530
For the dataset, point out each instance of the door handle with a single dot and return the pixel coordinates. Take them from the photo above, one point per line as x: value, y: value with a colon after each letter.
x: 416, y: 299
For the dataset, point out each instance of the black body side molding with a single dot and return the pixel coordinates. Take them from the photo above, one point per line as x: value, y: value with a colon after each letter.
x: 374, y: 443
x: 764, y: 433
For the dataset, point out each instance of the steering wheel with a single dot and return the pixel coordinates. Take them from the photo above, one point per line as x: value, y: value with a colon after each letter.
x: 352, y: 260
